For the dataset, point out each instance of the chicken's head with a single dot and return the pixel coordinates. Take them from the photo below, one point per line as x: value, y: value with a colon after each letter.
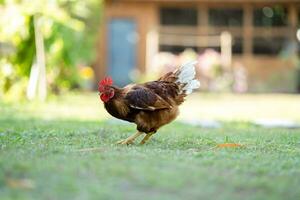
x: 105, y: 90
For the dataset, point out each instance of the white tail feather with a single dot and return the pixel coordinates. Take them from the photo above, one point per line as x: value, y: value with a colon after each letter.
x: 186, y: 76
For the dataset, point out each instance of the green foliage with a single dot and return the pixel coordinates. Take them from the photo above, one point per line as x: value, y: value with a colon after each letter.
x: 70, y: 30
x: 25, y: 52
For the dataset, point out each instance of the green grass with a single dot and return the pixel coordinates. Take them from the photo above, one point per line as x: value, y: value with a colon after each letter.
x: 49, y: 145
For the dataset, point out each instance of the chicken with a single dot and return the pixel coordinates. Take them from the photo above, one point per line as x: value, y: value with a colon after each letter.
x: 150, y: 105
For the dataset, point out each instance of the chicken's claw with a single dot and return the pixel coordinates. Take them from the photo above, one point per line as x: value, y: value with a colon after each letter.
x: 130, y: 139
x: 126, y: 141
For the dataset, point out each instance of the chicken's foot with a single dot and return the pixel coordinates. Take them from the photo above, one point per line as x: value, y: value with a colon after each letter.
x: 130, y: 139
x: 146, y: 138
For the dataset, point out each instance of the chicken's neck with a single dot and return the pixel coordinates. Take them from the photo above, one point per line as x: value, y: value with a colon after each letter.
x: 117, y: 106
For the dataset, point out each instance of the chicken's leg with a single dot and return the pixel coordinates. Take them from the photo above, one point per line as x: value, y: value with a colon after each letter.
x: 130, y: 139
x: 146, y: 138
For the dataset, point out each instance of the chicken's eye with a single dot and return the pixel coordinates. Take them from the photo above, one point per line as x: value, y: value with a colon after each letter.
x: 111, y: 93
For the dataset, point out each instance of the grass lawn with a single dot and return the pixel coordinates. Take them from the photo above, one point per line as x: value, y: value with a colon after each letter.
x: 64, y: 149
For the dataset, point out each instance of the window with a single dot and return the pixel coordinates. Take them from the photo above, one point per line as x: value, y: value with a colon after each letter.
x: 268, y: 46
x: 179, y: 16
x: 226, y: 17
x: 270, y: 16
x: 237, y: 47
x: 175, y: 48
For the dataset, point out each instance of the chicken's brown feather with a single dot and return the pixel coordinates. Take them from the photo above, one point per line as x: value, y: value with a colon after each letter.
x: 143, y: 98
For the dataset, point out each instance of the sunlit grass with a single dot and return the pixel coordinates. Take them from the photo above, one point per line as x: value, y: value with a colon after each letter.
x: 72, y: 106
x: 224, y: 107
x: 65, y: 149
x: 242, y: 107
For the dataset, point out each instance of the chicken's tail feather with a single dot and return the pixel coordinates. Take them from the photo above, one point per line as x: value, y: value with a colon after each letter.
x: 186, y: 78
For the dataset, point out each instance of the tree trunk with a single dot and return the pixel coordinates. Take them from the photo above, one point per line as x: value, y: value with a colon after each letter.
x: 37, y: 80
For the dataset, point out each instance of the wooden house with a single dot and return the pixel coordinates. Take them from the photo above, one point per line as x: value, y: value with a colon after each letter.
x: 264, y: 35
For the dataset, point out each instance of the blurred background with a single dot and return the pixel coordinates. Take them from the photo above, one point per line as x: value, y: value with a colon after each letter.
x: 53, y: 126
x: 47, y: 47
x: 56, y: 46
x: 241, y: 46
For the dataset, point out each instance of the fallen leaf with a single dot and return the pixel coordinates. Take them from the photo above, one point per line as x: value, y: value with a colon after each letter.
x: 20, y: 183
x: 228, y: 145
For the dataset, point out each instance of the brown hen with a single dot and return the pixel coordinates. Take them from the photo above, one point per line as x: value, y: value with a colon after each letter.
x: 149, y: 105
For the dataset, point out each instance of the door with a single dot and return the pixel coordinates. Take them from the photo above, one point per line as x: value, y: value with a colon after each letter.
x: 121, y: 50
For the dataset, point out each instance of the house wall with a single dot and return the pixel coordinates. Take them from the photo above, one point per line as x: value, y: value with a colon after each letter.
x: 146, y: 18
x: 261, y: 69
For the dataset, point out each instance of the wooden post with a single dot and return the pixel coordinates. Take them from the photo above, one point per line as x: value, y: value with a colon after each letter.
x: 248, y: 30
x: 203, y: 24
x: 293, y: 20
x: 295, y: 37
x: 100, y: 65
x: 226, y: 49
x: 151, y: 48
x: 152, y: 37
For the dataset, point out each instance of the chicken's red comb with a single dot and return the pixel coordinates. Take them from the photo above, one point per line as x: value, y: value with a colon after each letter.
x: 106, y: 81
